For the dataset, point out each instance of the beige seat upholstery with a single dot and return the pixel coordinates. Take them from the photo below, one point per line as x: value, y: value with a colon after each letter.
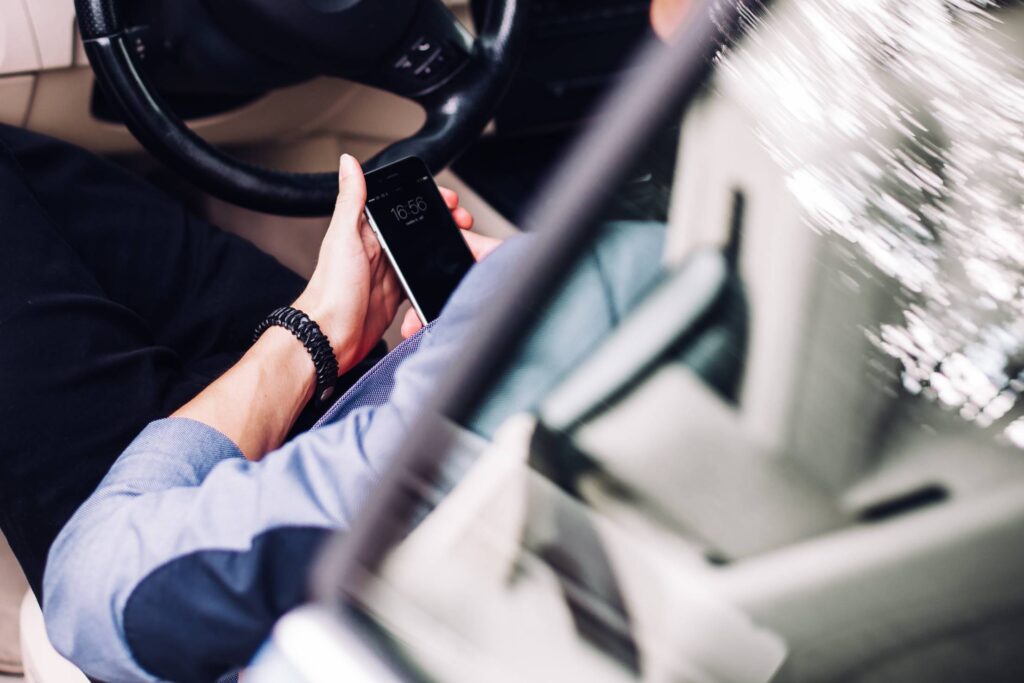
x: 12, y: 588
x: 24, y: 647
x: 42, y: 664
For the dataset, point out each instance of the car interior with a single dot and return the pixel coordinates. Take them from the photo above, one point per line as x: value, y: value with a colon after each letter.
x: 575, y: 51
x: 752, y: 478
x: 776, y: 467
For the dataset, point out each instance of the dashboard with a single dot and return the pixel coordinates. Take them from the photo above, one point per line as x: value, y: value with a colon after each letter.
x: 46, y: 85
x: 575, y: 50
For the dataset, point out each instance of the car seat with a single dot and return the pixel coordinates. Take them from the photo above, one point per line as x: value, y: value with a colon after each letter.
x: 12, y: 587
x: 42, y: 664
x: 24, y: 647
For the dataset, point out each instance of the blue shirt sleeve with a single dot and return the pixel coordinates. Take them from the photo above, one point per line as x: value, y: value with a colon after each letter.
x: 178, y: 565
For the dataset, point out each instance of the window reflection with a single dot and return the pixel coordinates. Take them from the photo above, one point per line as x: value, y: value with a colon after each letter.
x: 810, y: 295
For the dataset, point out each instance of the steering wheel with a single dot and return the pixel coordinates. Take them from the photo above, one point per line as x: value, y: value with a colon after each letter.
x: 413, y: 48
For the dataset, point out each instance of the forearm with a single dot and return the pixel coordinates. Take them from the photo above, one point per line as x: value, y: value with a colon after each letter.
x: 257, y: 401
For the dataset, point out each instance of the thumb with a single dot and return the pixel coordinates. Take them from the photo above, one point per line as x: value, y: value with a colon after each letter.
x: 351, y: 191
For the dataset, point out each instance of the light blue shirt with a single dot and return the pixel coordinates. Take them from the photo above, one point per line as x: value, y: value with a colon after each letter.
x: 178, y: 565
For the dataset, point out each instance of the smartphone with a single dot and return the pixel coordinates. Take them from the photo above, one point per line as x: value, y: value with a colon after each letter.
x: 418, y: 234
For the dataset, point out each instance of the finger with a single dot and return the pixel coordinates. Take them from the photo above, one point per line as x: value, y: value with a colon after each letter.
x: 411, y: 324
x: 391, y: 289
x: 463, y: 218
x: 370, y: 242
x: 451, y: 198
x: 351, y: 192
x: 480, y: 245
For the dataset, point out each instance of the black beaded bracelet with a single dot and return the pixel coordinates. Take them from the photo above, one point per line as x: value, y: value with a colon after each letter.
x: 313, y: 338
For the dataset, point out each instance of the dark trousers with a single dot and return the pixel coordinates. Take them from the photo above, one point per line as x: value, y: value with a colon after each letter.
x: 116, y: 308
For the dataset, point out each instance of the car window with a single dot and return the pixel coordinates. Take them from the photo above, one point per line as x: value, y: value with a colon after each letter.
x: 802, y: 313
x: 888, y: 139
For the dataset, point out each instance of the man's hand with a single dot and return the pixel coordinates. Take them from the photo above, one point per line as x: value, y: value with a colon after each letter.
x: 353, y: 294
x: 479, y: 245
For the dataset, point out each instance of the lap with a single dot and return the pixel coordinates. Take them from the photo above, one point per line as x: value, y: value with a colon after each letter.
x: 116, y: 306
x: 196, y: 288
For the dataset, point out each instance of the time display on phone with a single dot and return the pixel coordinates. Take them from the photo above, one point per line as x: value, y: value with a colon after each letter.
x: 410, y: 209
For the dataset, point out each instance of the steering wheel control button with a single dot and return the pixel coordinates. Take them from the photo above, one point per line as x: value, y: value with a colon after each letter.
x: 426, y: 60
x: 430, y: 67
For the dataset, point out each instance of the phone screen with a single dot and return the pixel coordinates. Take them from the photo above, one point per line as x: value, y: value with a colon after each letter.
x: 413, y: 223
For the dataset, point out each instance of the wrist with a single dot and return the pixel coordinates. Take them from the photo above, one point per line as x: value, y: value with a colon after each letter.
x: 290, y: 359
x: 308, y: 332
x: 324, y: 314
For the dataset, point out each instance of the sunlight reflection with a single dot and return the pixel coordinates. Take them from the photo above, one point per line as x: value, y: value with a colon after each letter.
x: 900, y: 126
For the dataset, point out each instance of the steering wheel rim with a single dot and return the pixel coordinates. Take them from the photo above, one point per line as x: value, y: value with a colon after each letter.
x: 457, y: 112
